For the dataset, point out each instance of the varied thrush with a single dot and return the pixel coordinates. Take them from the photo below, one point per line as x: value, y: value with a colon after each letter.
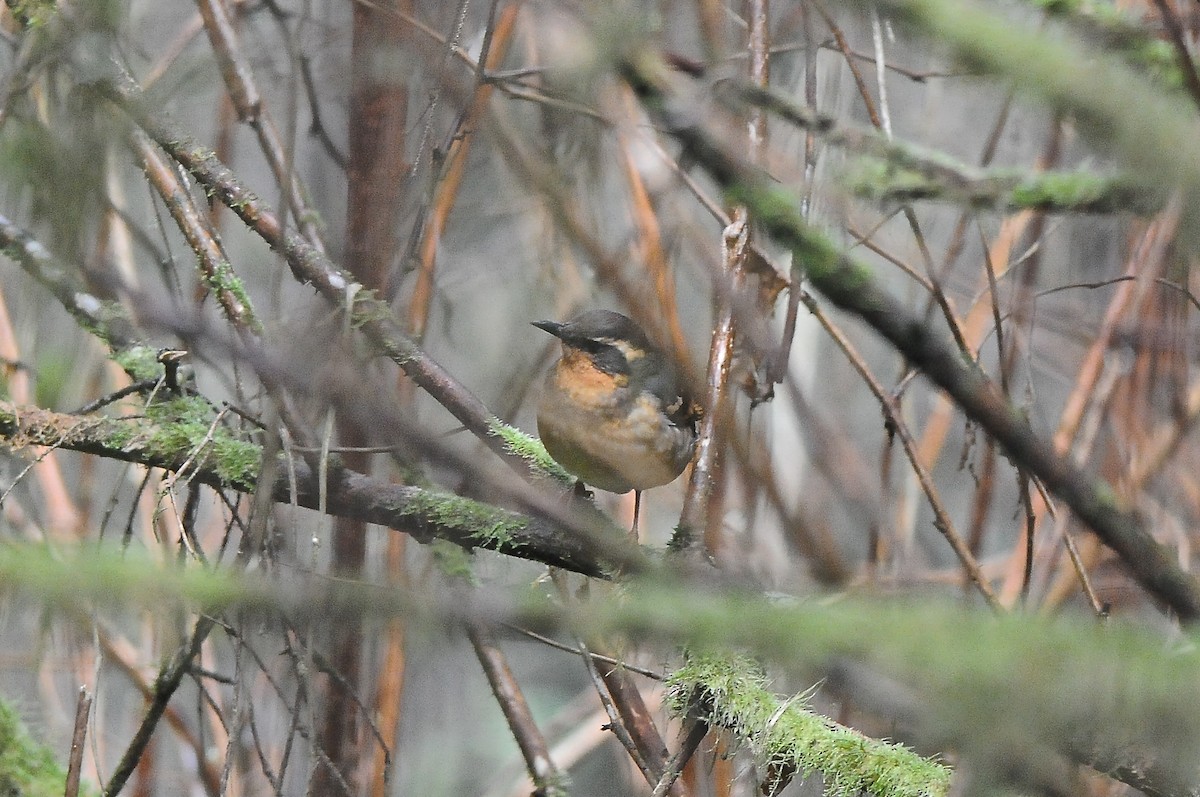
x: 613, y: 410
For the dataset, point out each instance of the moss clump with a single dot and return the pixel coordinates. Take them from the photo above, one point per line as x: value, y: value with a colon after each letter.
x: 367, y: 309
x: 236, y: 461
x: 223, y: 280
x: 469, y: 521
x: 181, y: 425
x: 530, y: 450
x: 787, y: 739
x: 140, y: 362
x: 27, y: 768
x: 453, y: 561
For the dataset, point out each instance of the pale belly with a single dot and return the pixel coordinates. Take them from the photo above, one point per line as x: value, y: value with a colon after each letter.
x: 644, y: 451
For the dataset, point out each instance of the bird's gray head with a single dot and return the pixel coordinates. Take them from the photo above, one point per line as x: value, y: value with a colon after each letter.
x: 611, y: 340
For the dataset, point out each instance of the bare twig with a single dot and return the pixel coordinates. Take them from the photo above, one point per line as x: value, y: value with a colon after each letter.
x: 701, y: 510
x: 547, y: 777
x: 83, y: 708
x: 695, y: 729
x: 615, y: 722
x: 545, y: 640
x: 168, y: 680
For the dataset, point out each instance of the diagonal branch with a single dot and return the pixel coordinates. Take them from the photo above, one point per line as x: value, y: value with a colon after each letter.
x: 169, y: 678
x: 312, y: 267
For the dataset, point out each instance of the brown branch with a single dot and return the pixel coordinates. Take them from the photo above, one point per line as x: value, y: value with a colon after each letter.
x: 701, y: 507
x: 165, y: 685
x: 75, y: 761
x: 693, y: 733
x: 453, y: 171
x: 247, y: 101
x: 616, y: 721
x: 202, y: 239
x: 545, y: 775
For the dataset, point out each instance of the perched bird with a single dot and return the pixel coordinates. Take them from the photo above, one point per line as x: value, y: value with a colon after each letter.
x: 613, y: 411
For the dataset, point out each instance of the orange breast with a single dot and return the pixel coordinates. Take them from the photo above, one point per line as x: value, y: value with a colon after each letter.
x: 586, y: 384
x: 595, y: 428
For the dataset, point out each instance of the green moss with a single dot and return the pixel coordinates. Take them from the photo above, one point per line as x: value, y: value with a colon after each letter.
x: 122, y: 435
x: 787, y: 739
x: 224, y: 280
x: 27, y: 768
x: 531, y: 451
x: 453, y: 561
x: 181, y: 425
x: 367, y: 307
x: 236, y: 461
x: 140, y: 362
x: 1060, y: 192
x: 878, y: 180
x: 488, y: 526
x: 1084, y: 191
x: 33, y: 13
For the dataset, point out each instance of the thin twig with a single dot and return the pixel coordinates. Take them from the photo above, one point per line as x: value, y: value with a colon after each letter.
x: 615, y: 723
x: 546, y: 776
x: 83, y: 708
x: 695, y: 729
x: 168, y: 680
x: 545, y: 640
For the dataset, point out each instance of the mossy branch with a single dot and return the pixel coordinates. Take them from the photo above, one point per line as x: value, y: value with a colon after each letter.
x: 310, y: 266
x: 1006, y: 190
x: 1001, y: 692
x: 893, y: 170
x: 103, y: 318
x: 1151, y: 130
x: 181, y: 433
x: 1113, y: 27
x: 789, y: 740
x: 531, y: 450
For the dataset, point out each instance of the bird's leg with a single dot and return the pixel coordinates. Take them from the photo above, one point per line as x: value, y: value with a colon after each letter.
x: 581, y: 490
x: 637, y: 509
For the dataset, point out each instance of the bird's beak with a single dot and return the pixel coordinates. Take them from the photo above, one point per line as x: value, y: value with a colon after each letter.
x: 553, y: 327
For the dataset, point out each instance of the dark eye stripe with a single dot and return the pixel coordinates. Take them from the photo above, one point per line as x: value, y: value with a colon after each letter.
x: 608, y: 358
